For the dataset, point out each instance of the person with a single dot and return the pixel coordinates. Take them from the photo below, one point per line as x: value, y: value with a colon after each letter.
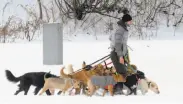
x: 119, y: 44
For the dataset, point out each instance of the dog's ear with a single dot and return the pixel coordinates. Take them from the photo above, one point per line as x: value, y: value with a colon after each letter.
x: 84, y: 64
x: 152, y: 85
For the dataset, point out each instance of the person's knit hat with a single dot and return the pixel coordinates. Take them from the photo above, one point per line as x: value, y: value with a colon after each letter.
x: 126, y: 17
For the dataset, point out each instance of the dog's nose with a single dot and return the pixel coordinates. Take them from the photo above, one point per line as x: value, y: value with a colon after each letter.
x: 158, y: 92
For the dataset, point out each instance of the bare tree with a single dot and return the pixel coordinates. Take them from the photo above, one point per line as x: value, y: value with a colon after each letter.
x: 91, y: 14
x: 40, y: 10
x: 4, y: 29
x: 146, y: 13
x: 33, y: 25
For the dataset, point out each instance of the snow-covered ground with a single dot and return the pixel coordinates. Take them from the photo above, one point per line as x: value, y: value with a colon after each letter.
x: 160, y: 60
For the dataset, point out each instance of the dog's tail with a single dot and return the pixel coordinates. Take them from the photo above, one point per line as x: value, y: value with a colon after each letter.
x: 11, y: 77
x: 46, y: 74
x: 62, y: 74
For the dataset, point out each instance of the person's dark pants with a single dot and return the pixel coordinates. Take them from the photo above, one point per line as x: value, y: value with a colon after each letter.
x: 120, y: 68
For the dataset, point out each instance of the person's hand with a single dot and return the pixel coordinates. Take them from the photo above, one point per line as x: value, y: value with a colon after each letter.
x: 121, y: 60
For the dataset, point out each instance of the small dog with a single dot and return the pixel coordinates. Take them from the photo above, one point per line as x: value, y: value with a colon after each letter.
x: 134, y: 84
x: 63, y: 84
x: 32, y: 78
x: 79, y: 75
x: 69, y: 70
x: 145, y: 84
x: 106, y: 82
x: 131, y: 82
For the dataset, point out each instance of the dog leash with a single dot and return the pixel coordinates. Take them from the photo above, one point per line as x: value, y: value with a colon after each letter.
x: 105, y: 57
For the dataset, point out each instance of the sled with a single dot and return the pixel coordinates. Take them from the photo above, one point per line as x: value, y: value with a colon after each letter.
x: 102, y: 61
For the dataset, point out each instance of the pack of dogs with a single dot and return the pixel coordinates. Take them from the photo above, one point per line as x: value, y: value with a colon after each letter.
x: 87, y: 80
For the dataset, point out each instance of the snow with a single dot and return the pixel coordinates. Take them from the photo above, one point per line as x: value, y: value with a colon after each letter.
x: 160, y: 60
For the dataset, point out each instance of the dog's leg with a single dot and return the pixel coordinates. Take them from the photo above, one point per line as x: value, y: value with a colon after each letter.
x: 84, y: 89
x: 65, y: 89
x: 135, y: 91
x: 18, y: 91
x: 52, y: 91
x: 20, y: 88
x: 131, y: 91
x: 26, y: 90
x: 144, y: 92
x: 110, y: 89
x: 43, y: 90
x: 48, y: 92
x: 92, y: 90
x: 59, y: 92
x: 37, y: 89
x: 78, y: 90
x: 104, y: 93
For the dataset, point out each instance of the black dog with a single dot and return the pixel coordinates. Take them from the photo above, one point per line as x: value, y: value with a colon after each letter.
x: 32, y: 78
x: 130, y: 82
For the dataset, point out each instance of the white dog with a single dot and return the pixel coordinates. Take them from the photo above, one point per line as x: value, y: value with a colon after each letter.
x: 145, y: 84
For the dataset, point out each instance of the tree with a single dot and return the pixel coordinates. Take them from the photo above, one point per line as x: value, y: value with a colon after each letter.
x: 40, y: 10
x: 147, y: 14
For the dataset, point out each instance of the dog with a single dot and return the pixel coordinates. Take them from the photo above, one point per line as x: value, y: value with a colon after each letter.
x: 26, y: 80
x: 86, y: 69
x: 70, y: 70
x: 80, y: 75
x: 63, y: 84
x: 105, y: 82
x: 136, y: 82
x: 131, y: 82
x: 145, y: 84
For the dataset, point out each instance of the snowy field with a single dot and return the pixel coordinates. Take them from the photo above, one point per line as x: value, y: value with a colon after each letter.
x: 162, y: 62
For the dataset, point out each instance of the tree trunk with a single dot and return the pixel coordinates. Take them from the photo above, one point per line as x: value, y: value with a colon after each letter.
x: 40, y: 10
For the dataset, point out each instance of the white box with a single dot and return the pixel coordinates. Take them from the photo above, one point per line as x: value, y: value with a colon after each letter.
x: 52, y: 44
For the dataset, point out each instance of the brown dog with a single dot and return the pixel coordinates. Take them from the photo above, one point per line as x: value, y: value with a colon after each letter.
x: 63, y: 84
x: 80, y: 75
